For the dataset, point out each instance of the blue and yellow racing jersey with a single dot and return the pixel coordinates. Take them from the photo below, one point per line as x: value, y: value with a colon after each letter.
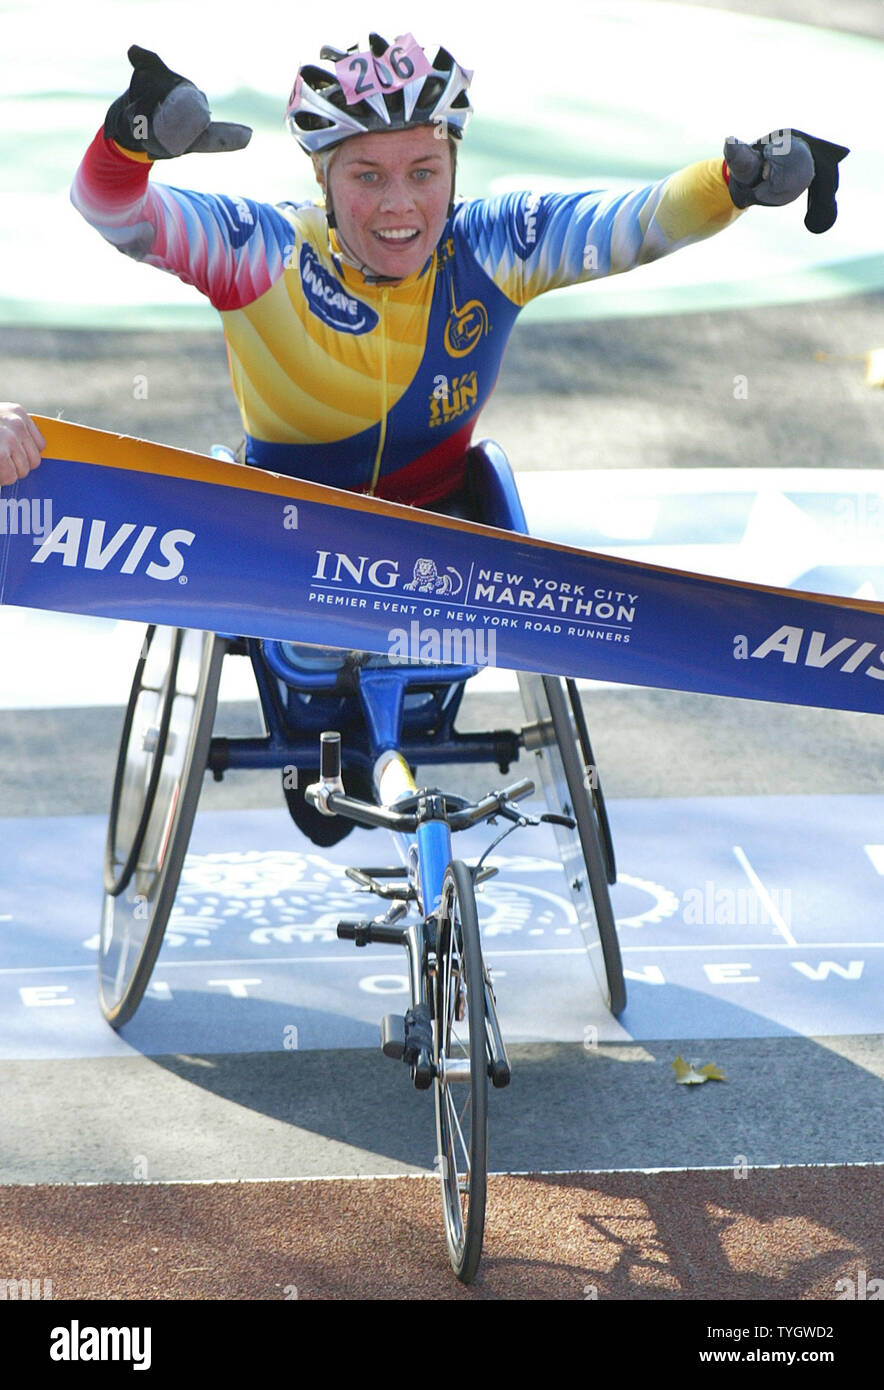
x: 377, y: 387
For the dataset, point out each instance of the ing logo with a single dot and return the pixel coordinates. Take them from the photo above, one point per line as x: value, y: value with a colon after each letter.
x: 465, y: 328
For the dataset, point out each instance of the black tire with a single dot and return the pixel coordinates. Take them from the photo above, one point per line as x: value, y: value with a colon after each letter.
x: 462, y: 1103
x: 596, y: 795
x: 566, y: 765
x: 163, y: 755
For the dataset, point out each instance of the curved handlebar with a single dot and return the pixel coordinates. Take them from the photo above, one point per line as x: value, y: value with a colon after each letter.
x: 492, y: 804
x: 366, y: 813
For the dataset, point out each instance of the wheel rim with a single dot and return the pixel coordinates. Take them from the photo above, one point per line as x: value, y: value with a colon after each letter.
x: 160, y: 731
x: 456, y: 1102
x: 578, y: 848
x: 461, y: 1089
x: 182, y: 722
x: 596, y: 795
x: 145, y: 739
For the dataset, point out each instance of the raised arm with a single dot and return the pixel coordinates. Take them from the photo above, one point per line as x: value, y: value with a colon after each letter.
x: 231, y: 249
x: 530, y: 244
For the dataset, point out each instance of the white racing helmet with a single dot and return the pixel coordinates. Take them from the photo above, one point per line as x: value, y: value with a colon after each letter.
x: 382, y: 88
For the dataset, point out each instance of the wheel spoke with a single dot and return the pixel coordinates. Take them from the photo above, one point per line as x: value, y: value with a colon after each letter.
x: 465, y: 1148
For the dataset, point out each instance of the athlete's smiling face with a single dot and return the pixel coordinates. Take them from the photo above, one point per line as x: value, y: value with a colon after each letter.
x: 390, y: 193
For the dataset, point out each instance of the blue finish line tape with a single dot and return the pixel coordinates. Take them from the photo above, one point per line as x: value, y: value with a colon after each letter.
x: 132, y: 530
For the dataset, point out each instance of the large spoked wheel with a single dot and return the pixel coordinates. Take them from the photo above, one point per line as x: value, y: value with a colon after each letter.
x: 163, y: 753
x: 461, y: 1062
x: 591, y: 776
x: 557, y: 733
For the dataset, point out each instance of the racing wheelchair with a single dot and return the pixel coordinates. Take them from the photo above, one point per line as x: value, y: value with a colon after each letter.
x: 371, y: 721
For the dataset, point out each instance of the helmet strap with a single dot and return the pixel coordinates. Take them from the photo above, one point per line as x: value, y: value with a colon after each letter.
x: 323, y: 161
x: 453, y: 148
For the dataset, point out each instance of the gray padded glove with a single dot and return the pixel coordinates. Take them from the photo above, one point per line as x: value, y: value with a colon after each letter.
x: 778, y: 169
x: 774, y: 171
x: 164, y: 115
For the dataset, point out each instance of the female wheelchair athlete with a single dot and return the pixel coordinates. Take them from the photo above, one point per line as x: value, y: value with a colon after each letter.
x: 373, y: 720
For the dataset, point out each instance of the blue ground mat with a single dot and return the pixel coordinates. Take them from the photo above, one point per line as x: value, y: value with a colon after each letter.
x: 737, y: 917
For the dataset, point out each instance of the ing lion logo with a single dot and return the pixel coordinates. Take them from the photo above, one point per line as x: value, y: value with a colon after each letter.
x: 465, y: 328
x: 428, y: 580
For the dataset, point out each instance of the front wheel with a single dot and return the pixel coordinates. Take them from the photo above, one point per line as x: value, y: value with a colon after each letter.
x: 460, y: 1057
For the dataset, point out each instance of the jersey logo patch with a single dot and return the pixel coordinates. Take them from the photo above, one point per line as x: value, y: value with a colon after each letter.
x: 465, y: 328
x: 453, y: 398
x: 329, y: 301
x: 239, y: 218
x: 528, y: 224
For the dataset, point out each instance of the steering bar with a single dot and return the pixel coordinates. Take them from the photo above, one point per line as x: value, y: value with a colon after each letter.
x: 329, y: 797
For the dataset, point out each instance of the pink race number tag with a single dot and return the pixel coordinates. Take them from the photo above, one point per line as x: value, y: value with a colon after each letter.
x: 362, y: 75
